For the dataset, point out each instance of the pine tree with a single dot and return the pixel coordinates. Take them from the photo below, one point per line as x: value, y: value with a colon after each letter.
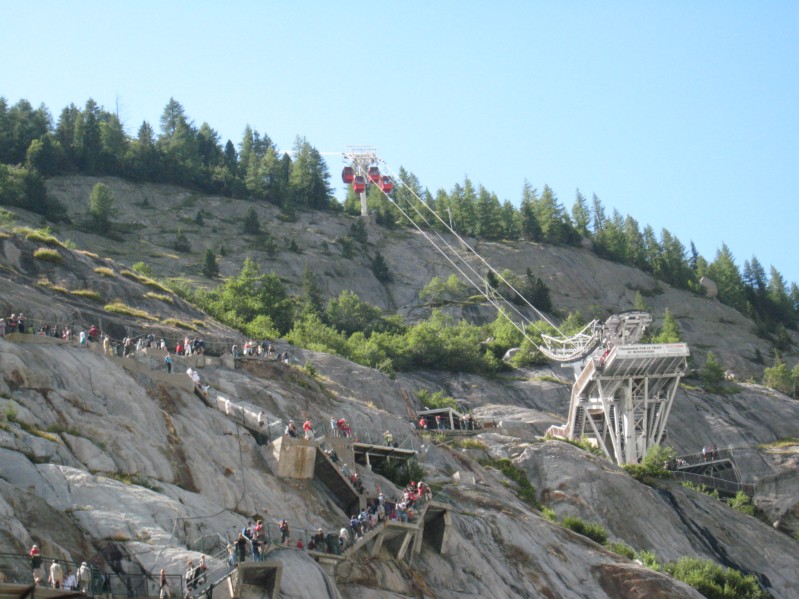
x: 510, y: 221
x: 779, y: 377
x: 528, y: 221
x: 87, y: 138
x: 581, y: 215
x: 210, y: 265
x: 181, y: 243
x: 669, y: 330
x: 712, y: 372
x: 101, y: 206
x: 725, y: 273
x: 634, y: 246
x: 312, y: 300
x: 251, y: 224
x: 380, y: 268
x: 488, y: 215
x: 639, y: 303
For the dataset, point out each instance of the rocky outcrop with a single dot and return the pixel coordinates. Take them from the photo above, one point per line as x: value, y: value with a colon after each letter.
x: 114, y: 461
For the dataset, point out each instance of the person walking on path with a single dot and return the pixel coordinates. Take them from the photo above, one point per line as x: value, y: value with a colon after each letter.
x: 85, y: 578
x: 168, y: 362
x: 56, y: 575
x: 164, y: 592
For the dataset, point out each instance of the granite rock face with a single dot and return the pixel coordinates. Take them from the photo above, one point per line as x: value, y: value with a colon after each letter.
x: 146, y: 468
x: 114, y: 461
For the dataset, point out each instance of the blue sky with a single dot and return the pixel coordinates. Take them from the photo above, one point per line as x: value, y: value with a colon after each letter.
x: 681, y: 114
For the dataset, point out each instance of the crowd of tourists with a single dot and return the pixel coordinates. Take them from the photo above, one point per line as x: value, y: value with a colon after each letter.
x: 60, y: 575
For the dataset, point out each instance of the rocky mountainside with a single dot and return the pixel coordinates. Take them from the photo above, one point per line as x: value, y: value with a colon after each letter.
x: 109, y: 459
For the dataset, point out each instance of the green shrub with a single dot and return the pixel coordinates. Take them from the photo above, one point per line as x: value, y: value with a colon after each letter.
x: 547, y: 513
x: 585, y: 445
x: 401, y: 472
x: 10, y: 411
x: 653, y: 466
x: 437, y: 400
x: 595, y: 532
x: 143, y: 269
x: 7, y: 217
x: 714, y: 581
x: 346, y: 246
x: 701, y: 489
x: 650, y: 560
x: 526, y: 491
x: 743, y: 503
x: 469, y: 444
x: 48, y: 255
x: 622, y: 549
x: 310, y: 369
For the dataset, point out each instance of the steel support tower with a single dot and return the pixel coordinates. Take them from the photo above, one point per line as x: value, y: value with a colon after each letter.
x: 622, y: 399
x: 361, y: 158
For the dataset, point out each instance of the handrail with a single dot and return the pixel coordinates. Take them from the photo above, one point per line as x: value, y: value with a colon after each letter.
x: 377, y: 437
x: 693, y: 459
x: 718, y: 484
x: 17, y: 568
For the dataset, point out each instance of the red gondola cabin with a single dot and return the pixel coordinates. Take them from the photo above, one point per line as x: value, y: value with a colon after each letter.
x: 347, y: 175
x: 386, y: 185
x: 374, y: 174
x: 359, y: 184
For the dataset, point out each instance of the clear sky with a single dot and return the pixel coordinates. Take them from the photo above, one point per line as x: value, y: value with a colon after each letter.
x: 684, y: 115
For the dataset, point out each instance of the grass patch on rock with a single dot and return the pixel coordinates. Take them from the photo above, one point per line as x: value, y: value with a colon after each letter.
x: 52, y: 286
x: 104, y: 271
x: 88, y: 294
x: 145, y: 280
x: 179, y: 323
x: 48, y: 255
x: 119, y: 308
x: 40, y: 235
x: 159, y: 296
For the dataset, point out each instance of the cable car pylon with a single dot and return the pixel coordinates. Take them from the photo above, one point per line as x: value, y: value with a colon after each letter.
x: 623, y: 391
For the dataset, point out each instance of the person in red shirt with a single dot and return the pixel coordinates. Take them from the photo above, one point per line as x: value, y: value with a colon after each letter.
x: 308, y: 428
x: 36, y: 560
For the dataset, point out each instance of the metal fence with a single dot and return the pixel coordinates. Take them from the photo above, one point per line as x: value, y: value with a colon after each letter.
x: 725, y: 487
x: 378, y: 437
x: 18, y: 568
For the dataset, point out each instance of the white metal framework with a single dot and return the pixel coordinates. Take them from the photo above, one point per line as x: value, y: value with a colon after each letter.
x: 622, y: 400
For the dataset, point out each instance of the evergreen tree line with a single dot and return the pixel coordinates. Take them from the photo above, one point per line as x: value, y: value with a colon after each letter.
x: 93, y: 141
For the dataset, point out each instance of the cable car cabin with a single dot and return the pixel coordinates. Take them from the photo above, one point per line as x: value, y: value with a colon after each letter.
x: 374, y: 174
x: 348, y: 174
x: 359, y: 184
x: 386, y: 185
